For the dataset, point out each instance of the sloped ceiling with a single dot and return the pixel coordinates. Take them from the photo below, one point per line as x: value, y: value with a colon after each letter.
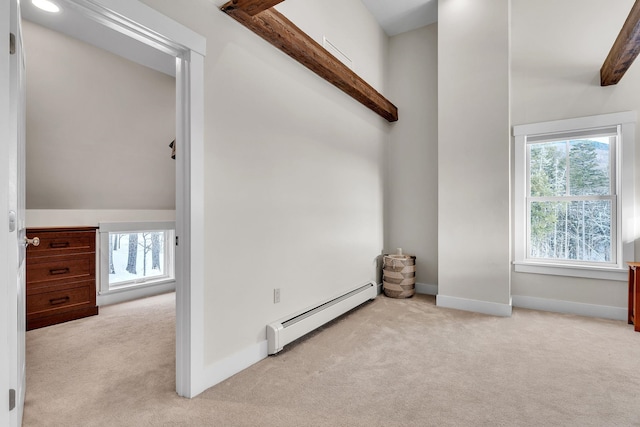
x: 73, y: 24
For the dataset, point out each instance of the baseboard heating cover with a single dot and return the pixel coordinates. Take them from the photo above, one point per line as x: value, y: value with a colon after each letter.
x: 284, y: 331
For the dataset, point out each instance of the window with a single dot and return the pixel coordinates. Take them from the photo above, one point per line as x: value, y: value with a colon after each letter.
x: 574, y: 196
x: 135, y: 255
x: 571, y: 200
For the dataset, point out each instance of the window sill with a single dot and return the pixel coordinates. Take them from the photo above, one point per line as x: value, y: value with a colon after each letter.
x: 132, y: 286
x: 130, y: 294
x: 602, y: 273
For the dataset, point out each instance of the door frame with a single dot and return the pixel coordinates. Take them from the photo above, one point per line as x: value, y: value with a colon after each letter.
x: 140, y: 22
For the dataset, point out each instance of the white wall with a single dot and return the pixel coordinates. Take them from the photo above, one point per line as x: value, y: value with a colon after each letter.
x: 411, y: 193
x: 293, y: 183
x: 353, y: 30
x: 98, y: 128
x: 473, y: 155
x: 556, y: 60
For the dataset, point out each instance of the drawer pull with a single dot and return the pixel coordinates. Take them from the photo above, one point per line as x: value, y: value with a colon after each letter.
x: 55, y: 271
x: 56, y: 301
x: 58, y: 245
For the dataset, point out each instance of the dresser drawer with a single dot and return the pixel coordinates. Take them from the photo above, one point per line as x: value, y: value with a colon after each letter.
x: 60, y: 269
x: 60, y: 300
x: 60, y: 275
x: 60, y: 242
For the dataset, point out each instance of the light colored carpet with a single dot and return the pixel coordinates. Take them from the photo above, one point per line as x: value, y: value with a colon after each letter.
x: 390, y: 363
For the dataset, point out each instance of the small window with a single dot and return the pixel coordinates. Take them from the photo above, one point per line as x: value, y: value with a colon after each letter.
x: 574, y: 196
x: 135, y: 255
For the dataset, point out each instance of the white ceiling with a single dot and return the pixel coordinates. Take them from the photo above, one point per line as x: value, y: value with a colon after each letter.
x: 399, y: 16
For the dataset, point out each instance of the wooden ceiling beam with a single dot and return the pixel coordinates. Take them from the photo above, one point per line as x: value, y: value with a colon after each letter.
x: 286, y: 36
x: 252, y: 7
x: 624, y: 50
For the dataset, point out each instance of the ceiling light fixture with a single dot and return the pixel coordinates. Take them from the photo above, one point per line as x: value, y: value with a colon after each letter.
x: 46, y: 5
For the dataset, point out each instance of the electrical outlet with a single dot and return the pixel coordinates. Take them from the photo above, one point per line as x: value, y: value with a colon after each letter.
x: 276, y: 295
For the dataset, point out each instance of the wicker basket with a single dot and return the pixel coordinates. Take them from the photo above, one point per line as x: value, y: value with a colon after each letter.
x: 399, y: 276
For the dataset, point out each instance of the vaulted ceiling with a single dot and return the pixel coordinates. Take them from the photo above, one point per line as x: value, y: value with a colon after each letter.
x: 394, y: 16
x: 399, y: 16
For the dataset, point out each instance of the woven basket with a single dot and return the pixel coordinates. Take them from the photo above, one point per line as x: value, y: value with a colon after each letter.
x: 399, y: 276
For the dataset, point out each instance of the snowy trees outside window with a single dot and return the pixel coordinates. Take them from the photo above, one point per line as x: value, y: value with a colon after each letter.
x: 571, y: 199
x: 135, y: 257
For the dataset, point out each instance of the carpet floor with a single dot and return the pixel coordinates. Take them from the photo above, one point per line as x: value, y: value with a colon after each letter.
x: 389, y: 363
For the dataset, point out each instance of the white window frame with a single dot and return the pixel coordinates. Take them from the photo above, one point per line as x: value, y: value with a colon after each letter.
x: 623, y: 211
x: 168, y: 279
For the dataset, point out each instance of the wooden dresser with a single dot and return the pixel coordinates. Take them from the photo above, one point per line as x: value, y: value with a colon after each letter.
x: 61, y: 275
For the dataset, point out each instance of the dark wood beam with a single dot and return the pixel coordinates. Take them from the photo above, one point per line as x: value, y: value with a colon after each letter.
x: 252, y: 7
x: 286, y: 36
x: 624, y: 50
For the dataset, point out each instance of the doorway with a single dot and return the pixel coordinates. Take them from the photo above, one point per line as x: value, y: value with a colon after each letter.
x: 142, y: 25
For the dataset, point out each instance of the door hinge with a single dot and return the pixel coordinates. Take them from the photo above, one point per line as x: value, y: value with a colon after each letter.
x: 12, y: 399
x: 176, y: 240
x: 12, y: 221
x: 12, y: 43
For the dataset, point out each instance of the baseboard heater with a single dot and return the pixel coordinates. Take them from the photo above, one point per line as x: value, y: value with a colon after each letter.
x: 289, y: 329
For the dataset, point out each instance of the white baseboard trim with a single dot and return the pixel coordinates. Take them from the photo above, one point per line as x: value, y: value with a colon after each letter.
x: 485, y: 307
x: 570, y: 307
x: 135, y: 293
x: 426, y: 289
x: 231, y: 365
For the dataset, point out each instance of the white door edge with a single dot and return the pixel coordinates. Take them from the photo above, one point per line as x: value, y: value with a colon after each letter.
x: 5, y: 346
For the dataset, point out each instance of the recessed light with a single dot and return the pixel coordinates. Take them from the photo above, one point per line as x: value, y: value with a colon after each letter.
x: 46, y: 5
